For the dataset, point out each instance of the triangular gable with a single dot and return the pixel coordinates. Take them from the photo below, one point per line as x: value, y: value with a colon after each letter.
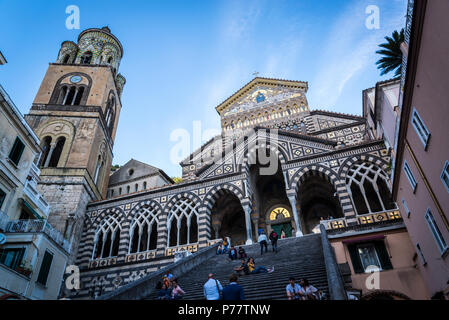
x: 261, y: 90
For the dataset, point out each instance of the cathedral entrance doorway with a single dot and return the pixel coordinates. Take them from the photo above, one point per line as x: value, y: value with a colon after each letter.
x: 270, y: 203
x: 318, y: 201
x: 228, y: 218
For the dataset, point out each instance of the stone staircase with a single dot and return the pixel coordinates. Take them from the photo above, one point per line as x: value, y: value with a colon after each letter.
x: 298, y: 257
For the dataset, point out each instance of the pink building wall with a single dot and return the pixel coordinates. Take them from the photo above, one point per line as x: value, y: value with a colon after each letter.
x: 431, y: 100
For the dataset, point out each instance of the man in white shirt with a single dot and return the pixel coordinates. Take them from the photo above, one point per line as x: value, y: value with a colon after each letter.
x: 263, y: 242
x: 212, y: 288
x: 293, y: 289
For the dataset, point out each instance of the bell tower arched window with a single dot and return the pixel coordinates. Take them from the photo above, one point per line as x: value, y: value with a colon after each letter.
x: 86, y: 58
x: 110, y: 113
x: 56, y: 152
x: 45, y: 150
x: 66, y: 58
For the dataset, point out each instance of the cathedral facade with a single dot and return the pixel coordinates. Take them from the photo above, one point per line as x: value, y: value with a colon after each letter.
x: 277, y: 165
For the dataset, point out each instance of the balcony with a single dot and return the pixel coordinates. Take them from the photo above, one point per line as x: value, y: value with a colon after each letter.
x: 34, y: 195
x: 35, y: 226
x: 382, y: 218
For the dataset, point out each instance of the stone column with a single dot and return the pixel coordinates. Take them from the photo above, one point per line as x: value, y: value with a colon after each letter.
x: 50, y: 153
x: 247, y: 209
x: 292, y: 200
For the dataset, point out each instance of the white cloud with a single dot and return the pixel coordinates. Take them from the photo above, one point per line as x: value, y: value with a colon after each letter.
x: 348, y: 51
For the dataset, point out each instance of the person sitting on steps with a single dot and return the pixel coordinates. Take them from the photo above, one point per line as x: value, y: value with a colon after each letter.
x: 242, y: 253
x: 177, y: 293
x: 243, y: 268
x: 220, y: 249
x: 307, y: 291
x: 233, y: 253
x: 293, y: 289
x: 260, y: 269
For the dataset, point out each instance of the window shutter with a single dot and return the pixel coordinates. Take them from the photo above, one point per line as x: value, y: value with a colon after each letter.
x: 45, y: 268
x: 382, y: 253
x: 16, y: 151
x: 356, y: 263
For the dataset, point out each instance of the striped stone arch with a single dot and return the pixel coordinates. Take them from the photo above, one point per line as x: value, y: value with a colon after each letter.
x: 251, y: 155
x: 108, y: 217
x: 141, y: 205
x: 162, y: 226
x: 107, y: 212
x: 173, y: 200
x: 144, y: 204
x: 217, y: 191
x: 360, y: 159
x: 329, y: 175
x: 86, y: 246
x: 314, y: 170
x: 348, y: 163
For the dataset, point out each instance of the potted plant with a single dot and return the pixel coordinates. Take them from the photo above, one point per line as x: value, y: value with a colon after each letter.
x: 25, y: 268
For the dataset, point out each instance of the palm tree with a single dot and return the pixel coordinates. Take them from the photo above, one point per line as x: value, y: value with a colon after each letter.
x: 391, y: 54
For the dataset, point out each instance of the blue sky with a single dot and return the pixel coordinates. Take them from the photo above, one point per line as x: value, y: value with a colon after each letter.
x: 182, y: 58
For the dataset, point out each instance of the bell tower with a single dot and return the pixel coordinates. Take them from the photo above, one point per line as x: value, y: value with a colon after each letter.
x: 75, y: 115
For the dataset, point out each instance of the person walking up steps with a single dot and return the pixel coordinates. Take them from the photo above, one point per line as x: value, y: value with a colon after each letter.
x: 212, y: 288
x: 263, y: 242
x: 274, y: 241
x: 233, y: 291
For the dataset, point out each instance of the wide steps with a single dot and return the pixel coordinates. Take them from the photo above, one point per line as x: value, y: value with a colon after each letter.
x: 298, y: 257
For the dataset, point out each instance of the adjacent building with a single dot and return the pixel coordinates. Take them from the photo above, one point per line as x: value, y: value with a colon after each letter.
x: 421, y: 175
x: 135, y: 176
x: 33, y: 255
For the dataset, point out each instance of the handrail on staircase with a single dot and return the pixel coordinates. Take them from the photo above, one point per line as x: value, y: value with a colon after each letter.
x: 335, y: 280
x: 145, y: 286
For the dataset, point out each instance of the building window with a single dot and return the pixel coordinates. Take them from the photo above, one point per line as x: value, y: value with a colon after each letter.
x: 107, y: 238
x: 119, y: 191
x: 441, y: 243
x: 410, y: 176
x: 136, y: 187
x: 420, y: 128
x: 143, y: 232
x: 182, y: 223
x: 144, y: 185
x: 445, y: 175
x: 2, y: 198
x: 11, y: 257
x: 369, y: 255
x: 57, y: 151
x: 16, y: 151
x: 128, y: 189
x: 406, y: 209
x: 368, y: 188
x: 86, y: 58
x: 45, y: 268
x: 66, y: 59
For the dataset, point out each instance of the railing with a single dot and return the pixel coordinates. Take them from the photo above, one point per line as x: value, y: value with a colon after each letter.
x: 145, y: 286
x: 187, y: 247
x: 37, y: 226
x: 364, y: 219
x: 37, y: 198
x: 334, y: 279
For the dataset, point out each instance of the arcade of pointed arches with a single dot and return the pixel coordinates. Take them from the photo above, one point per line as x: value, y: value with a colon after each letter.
x: 317, y: 199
